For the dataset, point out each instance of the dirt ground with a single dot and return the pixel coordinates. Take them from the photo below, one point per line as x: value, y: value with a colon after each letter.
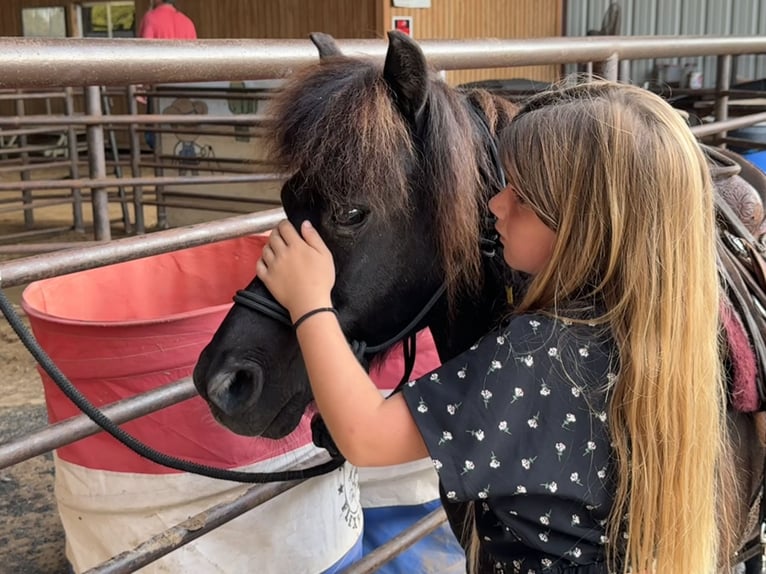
x: 31, y: 536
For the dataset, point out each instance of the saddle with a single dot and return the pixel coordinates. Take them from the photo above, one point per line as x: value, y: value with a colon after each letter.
x: 741, y: 253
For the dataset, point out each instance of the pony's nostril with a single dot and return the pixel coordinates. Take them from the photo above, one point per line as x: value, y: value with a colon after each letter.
x: 235, y: 392
x: 243, y: 386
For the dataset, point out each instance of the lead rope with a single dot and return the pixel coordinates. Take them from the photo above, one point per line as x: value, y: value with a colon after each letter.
x: 129, y: 440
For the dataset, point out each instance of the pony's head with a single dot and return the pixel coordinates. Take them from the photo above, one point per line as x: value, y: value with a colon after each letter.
x: 392, y: 167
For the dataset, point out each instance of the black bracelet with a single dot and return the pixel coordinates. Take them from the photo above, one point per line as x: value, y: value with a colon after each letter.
x: 305, y: 316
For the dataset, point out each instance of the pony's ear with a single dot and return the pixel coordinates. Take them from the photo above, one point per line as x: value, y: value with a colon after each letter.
x: 325, y: 44
x: 406, y: 73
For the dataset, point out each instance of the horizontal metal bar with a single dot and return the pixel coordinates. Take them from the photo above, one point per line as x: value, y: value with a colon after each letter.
x: 191, y: 529
x: 34, y: 233
x: 729, y: 124
x: 37, y: 196
x: 35, y: 205
x: 183, y: 205
x: 76, y: 428
x: 211, y: 197
x: 145, y: 180
x: 19, y: 271
x: 56, y: 120
x: 385, y: 553
x: 32, y: 248
x: 53, y: 62
x: 48, y: 129
x: 10, y: 151
x: 168, y: 160
x: 32, y: 95
x: 33, y: 165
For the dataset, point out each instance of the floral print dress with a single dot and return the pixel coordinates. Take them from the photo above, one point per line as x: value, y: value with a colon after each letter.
x: 518, y: 423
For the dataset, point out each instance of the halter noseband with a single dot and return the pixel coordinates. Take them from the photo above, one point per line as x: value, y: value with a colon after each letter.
x: 269, y: 307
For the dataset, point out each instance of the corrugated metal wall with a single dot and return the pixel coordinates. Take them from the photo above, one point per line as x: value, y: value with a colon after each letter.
x: 677, y: 17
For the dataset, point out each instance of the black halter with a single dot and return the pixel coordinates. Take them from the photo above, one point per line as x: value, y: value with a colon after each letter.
x: 320, y: 435
x: 269, y: 307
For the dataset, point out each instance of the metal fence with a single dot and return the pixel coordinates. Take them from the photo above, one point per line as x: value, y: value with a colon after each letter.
x: 53, y: 163
x: 53, y: 64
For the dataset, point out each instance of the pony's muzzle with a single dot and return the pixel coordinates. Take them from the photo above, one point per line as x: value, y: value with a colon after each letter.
x: 234, y: 392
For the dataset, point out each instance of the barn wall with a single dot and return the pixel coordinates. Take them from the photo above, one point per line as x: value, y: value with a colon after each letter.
x: 10, y: 20
x: 466, y: 19
x: 243, y: 18
x: 278, y: 18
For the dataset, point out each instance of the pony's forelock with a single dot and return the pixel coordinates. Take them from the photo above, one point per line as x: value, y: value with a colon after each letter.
x: 337, y: 125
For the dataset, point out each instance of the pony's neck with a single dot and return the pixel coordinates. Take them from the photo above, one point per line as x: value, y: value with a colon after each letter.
x: 473, y: 314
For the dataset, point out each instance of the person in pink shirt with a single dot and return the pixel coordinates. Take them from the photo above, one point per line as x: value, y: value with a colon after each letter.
x: 164, y: 21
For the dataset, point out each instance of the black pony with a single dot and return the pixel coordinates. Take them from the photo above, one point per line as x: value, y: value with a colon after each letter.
x: 394, y: 168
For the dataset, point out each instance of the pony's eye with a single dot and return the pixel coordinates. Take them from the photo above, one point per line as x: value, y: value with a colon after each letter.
x: 349, y: 218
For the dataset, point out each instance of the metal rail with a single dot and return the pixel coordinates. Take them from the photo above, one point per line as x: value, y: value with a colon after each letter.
x: 70, y: 430
x: 398, y: 544
x: 148, y: 180
x: 44, y: 63
x: 18, y: 272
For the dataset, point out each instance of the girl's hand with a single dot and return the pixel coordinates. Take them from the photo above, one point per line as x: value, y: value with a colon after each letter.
x: 299, y: 272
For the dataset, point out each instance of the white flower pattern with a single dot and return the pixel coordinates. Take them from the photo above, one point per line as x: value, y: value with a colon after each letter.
x: 452, y: 409
x: 557, y: 370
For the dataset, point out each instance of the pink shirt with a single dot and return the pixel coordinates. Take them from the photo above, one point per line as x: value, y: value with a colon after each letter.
x: 167, y: 23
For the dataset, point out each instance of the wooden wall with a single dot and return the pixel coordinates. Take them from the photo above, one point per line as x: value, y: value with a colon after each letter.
x: 468, y: 19
x: 10, y: 13
x: 242, y: 18
x: 278, y: 18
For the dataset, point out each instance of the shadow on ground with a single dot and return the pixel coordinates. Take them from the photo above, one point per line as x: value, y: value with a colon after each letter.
x: 31, y: 536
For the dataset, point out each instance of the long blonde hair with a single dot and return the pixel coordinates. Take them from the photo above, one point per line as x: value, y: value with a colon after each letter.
x: 619, y: 176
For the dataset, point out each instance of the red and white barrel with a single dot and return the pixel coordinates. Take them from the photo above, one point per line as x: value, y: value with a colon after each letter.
x: 127, y: 328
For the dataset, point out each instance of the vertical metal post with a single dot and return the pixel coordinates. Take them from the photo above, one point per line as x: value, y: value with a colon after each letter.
x: 153, y: 107
x: 26, y: 194
x: 625, y: 71
x: 135, y: 162
x: 74, y: 168
x: 722, y: 84
x: 106, y: 107
x: 97, y: 165
x: 611, y: 68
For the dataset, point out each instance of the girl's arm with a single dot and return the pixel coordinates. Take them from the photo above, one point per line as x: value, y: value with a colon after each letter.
x: 368, y: 429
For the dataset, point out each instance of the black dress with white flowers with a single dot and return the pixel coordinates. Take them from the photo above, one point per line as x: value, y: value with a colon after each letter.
x: 518, y: 424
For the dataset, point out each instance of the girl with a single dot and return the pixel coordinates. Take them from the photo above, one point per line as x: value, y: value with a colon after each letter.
x: 588, y: 428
